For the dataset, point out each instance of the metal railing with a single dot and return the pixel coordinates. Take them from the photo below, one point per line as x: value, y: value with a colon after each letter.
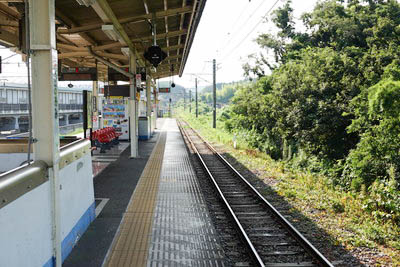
x: 65, y: 129
x: 74, y: 151
x: 19, y: 181
x: 7, y: 108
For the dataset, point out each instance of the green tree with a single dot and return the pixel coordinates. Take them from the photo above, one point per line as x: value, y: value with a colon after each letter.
x: 310, y: 97
x: 379, y: 121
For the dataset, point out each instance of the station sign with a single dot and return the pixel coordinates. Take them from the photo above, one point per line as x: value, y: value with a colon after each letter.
x: 116, y: 90
x: 115, y: 76
x: 78, y: 74
x: 164, y: 90
x: 138, y: 81
x: 155, y: 55
x: 87, y: 109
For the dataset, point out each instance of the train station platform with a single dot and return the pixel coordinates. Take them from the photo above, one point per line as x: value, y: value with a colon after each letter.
x: 156, y: 214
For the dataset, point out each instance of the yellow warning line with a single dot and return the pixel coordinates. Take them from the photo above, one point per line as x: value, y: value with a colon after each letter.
x: 131, y: 245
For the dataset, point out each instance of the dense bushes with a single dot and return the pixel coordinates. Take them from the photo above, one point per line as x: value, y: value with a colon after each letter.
x: 378, y: 150
x: 333, y: 97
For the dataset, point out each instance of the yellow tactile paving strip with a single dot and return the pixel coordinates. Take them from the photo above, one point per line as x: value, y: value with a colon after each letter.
x: 131, y: 245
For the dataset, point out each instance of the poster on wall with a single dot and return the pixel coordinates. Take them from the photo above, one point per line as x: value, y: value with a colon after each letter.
x: 87, y: 109
x: 115, y: 114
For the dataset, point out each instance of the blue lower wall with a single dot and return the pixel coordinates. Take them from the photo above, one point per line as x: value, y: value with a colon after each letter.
x: 144, y: 137
x: 77, y: 231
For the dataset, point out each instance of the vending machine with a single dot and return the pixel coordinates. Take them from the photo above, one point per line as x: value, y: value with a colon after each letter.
x: 115, y: 114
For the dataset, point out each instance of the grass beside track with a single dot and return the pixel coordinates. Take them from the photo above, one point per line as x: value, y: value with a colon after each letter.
x: 337, y: 212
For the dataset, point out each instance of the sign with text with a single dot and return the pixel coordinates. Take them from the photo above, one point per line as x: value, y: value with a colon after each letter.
x: 164, y: 90
x: 114, y: 75
x: 138, y: 80
x: 78, y: 74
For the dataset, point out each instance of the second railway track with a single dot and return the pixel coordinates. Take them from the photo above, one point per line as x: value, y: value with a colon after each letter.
x: 269, y: 238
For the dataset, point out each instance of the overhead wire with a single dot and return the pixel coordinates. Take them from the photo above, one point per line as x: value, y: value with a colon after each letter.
x: 9, y: 57
x: 251, y: 31
x: 243, y: 24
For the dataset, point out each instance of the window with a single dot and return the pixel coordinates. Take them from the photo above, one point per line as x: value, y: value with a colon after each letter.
x: 3, y: 98
x: 9, y: 96
x: 22, y: 97
x: 72, y: 98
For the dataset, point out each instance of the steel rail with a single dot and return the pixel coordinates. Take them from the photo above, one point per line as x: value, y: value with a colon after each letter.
x: 256, y: 257
x: 313, y: 251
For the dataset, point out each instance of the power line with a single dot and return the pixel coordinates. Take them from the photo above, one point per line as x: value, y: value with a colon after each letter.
x: 244, y: 24
x: 251, y: 31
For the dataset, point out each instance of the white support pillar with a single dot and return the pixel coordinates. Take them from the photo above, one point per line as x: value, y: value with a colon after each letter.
x: 156, y: 95
x: 155, y: 104
x: 95, y: 91
x: 45, y: 103
x: 148, y: 101
x: 66, y: 119
x: 133, y: 108
x: 16, y: 123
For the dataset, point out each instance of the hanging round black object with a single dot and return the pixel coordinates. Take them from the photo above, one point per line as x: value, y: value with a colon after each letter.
x: 155, y: 55
x: 173, y: 85
x: 70, y: 85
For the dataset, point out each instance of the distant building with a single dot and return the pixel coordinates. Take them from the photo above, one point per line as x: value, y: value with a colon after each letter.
x: 14, y: 106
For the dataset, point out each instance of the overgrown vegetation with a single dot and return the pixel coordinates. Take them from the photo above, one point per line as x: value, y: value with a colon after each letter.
x: 224, y: 93
x: 330, y: 107
x: 353, y: 219
x: 332, y: 101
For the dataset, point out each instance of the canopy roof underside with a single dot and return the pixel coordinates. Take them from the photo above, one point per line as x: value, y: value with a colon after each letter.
x: 79, y: 27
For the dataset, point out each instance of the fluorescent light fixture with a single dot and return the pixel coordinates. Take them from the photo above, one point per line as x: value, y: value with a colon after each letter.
x: 125, y: 51
x: 86, y: 2
x: 110, y: 31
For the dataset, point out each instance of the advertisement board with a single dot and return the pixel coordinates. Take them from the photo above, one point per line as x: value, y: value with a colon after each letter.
x: 115, y: 114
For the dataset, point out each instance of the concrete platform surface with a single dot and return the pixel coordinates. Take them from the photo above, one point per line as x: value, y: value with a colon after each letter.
x: 167, y: 222
x: 155, y: 213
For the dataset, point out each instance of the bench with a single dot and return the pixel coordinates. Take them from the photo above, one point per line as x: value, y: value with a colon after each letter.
x: 105, y: 138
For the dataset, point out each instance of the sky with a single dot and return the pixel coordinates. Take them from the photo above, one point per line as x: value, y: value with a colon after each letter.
x: 226, y: 33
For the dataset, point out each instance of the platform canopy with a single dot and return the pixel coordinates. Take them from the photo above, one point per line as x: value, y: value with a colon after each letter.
x: 109, y: 28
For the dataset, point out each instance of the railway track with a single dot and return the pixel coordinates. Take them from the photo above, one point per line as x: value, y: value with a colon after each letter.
x: 269, y: 238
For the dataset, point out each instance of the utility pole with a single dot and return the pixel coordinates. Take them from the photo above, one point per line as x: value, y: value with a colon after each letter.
x: 214, y: 96
x: 184, y: 99
x: 197, y: 103
x: 190, y: 101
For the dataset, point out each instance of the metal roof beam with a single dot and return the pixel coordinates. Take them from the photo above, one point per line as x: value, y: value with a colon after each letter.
x: 133, y: 19
x: 138, y: 40
x: 164, y: 65
x: 106, y: 9
x: 5, y: 9
x: 111, y: 65
x: 166, y: 22
x: 181, y: 22
x: 8, y: 38
x: 83, y: 49
x: 87, y: 54
x: 66, y: 20
x: 7, y: 21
